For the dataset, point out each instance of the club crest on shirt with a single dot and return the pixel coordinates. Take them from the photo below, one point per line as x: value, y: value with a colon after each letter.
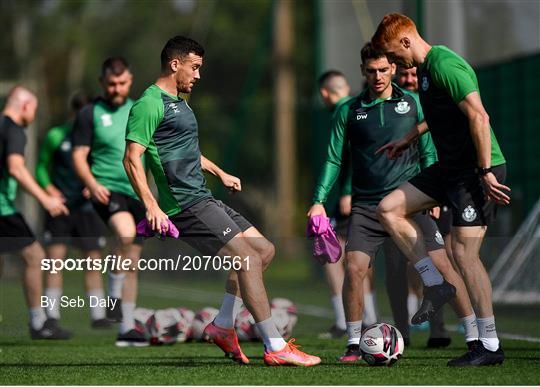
x: 469, y: 214
x: 402, y: 107
x: 106, y: 120
x: 425, y: 83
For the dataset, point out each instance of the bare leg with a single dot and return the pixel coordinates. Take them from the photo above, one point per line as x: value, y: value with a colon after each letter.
x: 356, y: 268
x: 32, y: 256
x: 57, y: 252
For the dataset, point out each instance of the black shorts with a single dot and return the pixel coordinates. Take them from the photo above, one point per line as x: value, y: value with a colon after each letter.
x: 117, y: 203
x: 366, y: 233
x: 14, y: 233
x: 209, y: 225
x: 444, y: 223
x: 82, y: 228
x: 461, y: 191
x: 340, y: 224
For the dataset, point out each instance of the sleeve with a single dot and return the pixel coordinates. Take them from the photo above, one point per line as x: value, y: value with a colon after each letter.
x: 144, y: 117
x: 427, y: 151
x: 52, y: 141
x: 345, y: 178
x: 83, y: 127
x: 15, y: 141
x: 332, y: 166
x: 455, y: 76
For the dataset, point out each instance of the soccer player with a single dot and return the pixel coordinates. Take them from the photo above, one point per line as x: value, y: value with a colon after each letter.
x: 334, y: 90
x: 82, y: 227
x: 163, y: 126
x: 380, y: 113
x: 438, y: 336
x: 15, y: 234
x: 98, y: 135
x: 468, y: 177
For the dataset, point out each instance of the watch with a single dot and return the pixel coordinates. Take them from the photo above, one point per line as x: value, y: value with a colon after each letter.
x: 483, y: 171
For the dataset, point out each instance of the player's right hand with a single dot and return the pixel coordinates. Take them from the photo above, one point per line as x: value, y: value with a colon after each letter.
x: 100, y: 193
x: 53, y: 191
x: 55, y: 206
x: 393, y: 149
x: 157, y: 219
x: 316, y: 209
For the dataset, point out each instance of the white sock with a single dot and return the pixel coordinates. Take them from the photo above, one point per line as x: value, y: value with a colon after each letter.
x: 37, y: 317
x: 488, y: 333
x: 96, y: 312
x: 115, y: 284
x: 53, y: 294
x: 412, y: 305
x: 128, y: 319
x: 370, y: 314
x: 354, y: 331
x: 339, y: 311
x: 271, y: 338
x: 228, y: 311
x: 471, y: 329
x: 428, y: 272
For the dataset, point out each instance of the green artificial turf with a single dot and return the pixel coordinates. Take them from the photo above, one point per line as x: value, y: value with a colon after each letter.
x: 91, y: 357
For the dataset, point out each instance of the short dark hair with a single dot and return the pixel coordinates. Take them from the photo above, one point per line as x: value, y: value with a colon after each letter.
x: 115, y: 65
x: 370, y: 52
x: 78, y: 100
x: 327, y: 75
x: 178, y: 48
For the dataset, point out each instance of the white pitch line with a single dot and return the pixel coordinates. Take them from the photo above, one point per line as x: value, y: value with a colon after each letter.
x: 197, y: 295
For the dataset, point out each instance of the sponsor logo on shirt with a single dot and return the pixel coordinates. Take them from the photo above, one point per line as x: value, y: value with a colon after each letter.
x: 469, y: 214
x: 402, y: 107
x: 174, y: 108
x: 106, y: 120
x: 361, y: 115
x: 425, y: 83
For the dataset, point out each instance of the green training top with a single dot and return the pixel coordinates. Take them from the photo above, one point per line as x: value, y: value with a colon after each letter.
x: 444, y: 80
x: 55, y: 165
x: 367, y: 125
x: 102, y: 127
x: 12, y: 141
x: 167, y: 127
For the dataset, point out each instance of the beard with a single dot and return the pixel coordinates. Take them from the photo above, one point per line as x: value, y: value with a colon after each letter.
x: 117, y: 100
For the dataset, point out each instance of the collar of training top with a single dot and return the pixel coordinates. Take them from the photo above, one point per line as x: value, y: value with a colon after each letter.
x: 367, y: 101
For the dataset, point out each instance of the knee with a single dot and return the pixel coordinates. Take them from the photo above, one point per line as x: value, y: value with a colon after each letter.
x: 356, y: 271
x: 386, y: 212
x: 267, y: 254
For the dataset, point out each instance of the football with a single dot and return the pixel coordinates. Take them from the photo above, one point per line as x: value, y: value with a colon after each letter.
x: 245, y: 326
x: 166, y: 326
x: 381, y: 345
x: 144, y: 321
x: 184, y: 324
x: 202, y: 318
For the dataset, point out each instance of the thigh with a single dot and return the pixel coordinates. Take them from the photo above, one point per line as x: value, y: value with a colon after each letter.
x: 433, y: 240
x: 15, y: 234
x: 431, y: 182
x: 365, y: 233
x: 406, y: 200
x: 206, y: 226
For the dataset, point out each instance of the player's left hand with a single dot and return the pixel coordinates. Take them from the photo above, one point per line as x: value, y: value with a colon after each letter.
x: 493, y: 190
x: 231, y: 182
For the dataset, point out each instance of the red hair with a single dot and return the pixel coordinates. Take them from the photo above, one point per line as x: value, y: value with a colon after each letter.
x: 390, y: 27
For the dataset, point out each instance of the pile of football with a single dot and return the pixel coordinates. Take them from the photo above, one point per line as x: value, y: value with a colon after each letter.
x: 381, y: 345
x: 177, y: 325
